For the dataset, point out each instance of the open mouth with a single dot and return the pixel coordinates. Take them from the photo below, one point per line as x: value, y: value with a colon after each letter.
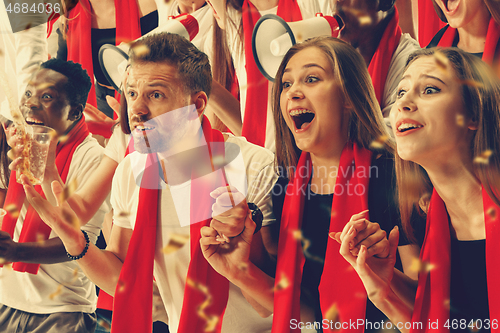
x: 302, y: 117
x: 143, y: 128
x: 33, y: 121
x: 404, y: 127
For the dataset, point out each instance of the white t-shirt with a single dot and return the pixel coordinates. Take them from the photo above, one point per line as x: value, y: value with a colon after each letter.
x: 308, y: 8
x: 255, y: 165
x: 117, y: 145
x: 32, y: 293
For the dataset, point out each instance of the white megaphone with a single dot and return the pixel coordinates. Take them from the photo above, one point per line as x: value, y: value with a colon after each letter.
x: 273, y: 37
x: 113, y: 59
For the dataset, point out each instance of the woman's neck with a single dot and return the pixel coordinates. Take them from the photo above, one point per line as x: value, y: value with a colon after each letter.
x: 325, y: 170
x: 264, y: 4
x: 472, y: 36
x: 103, y: 14
x: 461, y: 192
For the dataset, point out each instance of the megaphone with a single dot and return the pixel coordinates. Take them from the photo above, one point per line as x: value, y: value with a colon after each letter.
x: 273, y: 37
x: 113, y: 59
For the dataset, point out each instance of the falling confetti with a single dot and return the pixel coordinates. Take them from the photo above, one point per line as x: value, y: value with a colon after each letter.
x: 57, y: 292
x: 492, y: 213
x: 68, y: 190
x: 121, y: 286
x: 283, y: 283
x: 71, y: 219
x: 364, y: 20
x: 306, y: 244
x: 379, y: 142
x: 471, y: 83
x: 460, y: 120
x: 418, y: 266
x: 441, y: 61
x: 484, y: 157
x: 175, y: 243
x: 140, y: 49
x: 103, y: 324
x: 243, y: 266
x: 40, y: 238
x: 332, y: 315
x: 124, y: 214
x: 211, y: 320
x: 12, y: 210
x: 75, y: 275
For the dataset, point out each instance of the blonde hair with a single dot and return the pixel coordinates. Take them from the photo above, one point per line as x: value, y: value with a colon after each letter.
x: 482, y: 104
x: 365, y: 122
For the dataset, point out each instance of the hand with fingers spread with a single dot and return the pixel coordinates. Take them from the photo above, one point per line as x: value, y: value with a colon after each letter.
x: 367, y: 234
x: 60, y: 218
x: 93, y: 114
x: 229, y: 212
x: 228, y: 258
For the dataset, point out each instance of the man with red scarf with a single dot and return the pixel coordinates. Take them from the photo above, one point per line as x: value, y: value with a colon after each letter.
x: 43, y: 291
x: 164, y: 192
x: 372, y: 27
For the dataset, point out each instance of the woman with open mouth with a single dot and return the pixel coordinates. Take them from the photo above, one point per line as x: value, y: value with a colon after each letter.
x: 332, y: 146
x: 446, y: 123
x: 473, y: 26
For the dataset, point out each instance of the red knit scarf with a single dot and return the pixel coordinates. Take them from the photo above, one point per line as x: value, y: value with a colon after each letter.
x: 34, y: 229
x: 379, y: 65
x: 433, y: 293
x: 337, y: 273
x: 134, y: 292
x: 491, y: 47
x: 79, y: 38
x: 254, y: 122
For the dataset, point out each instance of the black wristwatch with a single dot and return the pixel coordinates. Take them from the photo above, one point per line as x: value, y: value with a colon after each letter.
x: 257, y: 216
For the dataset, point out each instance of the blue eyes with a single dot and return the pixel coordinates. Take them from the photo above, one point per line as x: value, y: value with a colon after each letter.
x: 309, y: 79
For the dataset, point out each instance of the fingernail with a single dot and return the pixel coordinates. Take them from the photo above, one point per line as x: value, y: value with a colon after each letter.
x: 332, y: 235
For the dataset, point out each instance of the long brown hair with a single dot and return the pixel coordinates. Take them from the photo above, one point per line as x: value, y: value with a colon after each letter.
x: 365, y: 121
x: 482, y: 104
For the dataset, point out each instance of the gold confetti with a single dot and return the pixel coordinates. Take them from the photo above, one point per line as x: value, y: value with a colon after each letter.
x: 63, y: 138
x: 103, y: 324
x: 124, y: 214
x: 441, y: 61
x: 283, y: 283
x: 243, y: 266
x: 471, y: 83
x: 43, y: 85
x: 492, y: 212
x: 364, y: 20
x: 139, y: 49
x: 72, y: 219
x: 28, y: 26
x: 75, y: 275
x: 121, y: 286
x: 218, y: 161
x: 57, y: 292
x: 460, y: 120
x: 484, y: 157
x: 12, y: 210
x: 306, y: 244
x: 3, y: 261
x: 332, y: 315
x: 211, y: 320
x: 40, y: 238
x: 68, y: 190
x: 379, y: 142
x: 53, y: 135
x: 175, y: 243
x: 419, y: 266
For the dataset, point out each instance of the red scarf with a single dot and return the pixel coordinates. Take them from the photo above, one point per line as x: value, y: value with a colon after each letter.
x: 339, y: 282
x: 254, y: 122
x: 34, y: 228
x: 79, y: 38
x: 434, y: 287
x: 490, y: 47
x: 428, y: 22
x: 135, y: 285
x: 379, y: 65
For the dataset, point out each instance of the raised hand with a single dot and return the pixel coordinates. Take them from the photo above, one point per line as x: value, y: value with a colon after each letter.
x: 228, y: 259
x: 228, y: 212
